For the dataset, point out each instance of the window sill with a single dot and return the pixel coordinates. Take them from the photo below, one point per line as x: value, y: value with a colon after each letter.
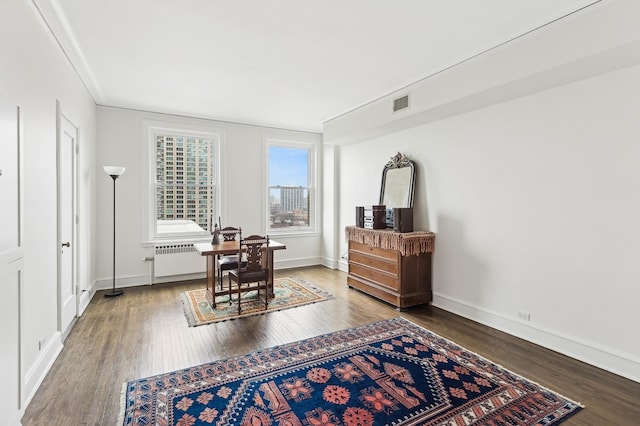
x: 176, y: 240
x: 294, y: 234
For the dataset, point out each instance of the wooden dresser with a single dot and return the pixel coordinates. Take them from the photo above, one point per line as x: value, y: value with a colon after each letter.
x: 392, y: 266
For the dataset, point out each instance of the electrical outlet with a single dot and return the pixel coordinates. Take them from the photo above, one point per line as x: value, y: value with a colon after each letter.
x: 526, y: 316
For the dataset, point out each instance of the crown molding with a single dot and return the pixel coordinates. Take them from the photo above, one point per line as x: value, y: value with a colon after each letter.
x: 56, y: 21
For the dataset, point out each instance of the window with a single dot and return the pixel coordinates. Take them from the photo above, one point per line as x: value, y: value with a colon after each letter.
x: 292, y: 192
x: 183, y: 163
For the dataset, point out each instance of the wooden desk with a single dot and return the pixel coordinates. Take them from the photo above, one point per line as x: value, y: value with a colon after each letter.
x: 211, y: 251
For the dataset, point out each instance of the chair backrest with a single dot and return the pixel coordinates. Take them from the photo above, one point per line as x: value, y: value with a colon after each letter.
x: 256, y: 249
x: 229, y: 233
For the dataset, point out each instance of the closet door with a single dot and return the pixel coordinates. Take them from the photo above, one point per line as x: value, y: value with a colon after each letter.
x: 11, y: 261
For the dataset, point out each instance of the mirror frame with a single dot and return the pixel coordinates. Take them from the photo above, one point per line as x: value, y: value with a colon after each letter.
x: 399, y: 161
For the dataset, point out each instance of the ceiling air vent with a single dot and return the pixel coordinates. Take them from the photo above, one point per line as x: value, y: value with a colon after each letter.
x: 401, y: 103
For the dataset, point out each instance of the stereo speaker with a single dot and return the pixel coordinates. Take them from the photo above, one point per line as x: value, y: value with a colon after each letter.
x: 360, y: 216
x: 403, y: 219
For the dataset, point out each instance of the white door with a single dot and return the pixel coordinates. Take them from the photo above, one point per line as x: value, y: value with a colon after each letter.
x: 10, y: 362
x: 67, y: 140
x: 11, y: 265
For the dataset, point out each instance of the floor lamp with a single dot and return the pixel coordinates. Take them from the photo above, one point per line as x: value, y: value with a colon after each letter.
x: 115, y: 172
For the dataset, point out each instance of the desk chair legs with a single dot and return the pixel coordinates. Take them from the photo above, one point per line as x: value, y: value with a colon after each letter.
x: 239, y: 292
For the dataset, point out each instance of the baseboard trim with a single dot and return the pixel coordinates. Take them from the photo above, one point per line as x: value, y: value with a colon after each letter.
x: 36, y: 374
x: 138, y: 280
x: 620, y: 364
x: 343, y: 265
x: 296, y: 263
x: 16, y: 420
x: 329, y: 263
x: 85, y: 299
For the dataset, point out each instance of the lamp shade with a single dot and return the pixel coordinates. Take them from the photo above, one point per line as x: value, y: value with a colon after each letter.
x: 114, y: 170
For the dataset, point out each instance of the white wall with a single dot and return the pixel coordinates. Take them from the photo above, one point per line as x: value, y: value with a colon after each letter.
x: 122, y: 142
x: 34, y: 73
x: 331, y: 207
x: 533, y: 193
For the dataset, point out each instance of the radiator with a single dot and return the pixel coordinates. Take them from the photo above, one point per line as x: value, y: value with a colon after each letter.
x: 177, y: 259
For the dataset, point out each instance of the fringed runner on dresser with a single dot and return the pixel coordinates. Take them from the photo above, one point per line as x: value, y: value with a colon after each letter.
x: 408, y: 243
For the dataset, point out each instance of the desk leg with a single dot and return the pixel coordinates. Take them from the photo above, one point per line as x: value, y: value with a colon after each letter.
x: 270, y: 284
x: 211, y: 280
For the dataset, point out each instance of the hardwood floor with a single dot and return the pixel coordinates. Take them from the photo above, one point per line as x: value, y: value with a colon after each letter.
x: 144, y: 333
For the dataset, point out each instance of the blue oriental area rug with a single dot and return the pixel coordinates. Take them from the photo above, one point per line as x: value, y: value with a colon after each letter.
x: 392, y: 372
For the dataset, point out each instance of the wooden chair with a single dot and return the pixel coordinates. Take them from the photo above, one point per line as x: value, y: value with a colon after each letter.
x: 255, y: 271
x: 227, y: 263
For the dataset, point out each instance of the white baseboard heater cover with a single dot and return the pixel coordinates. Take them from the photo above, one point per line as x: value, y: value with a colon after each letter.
x: 177, y: 259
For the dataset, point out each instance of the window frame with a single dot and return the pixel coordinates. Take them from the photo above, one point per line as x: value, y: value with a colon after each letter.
x: 185, y: 130
x: 312, y: 185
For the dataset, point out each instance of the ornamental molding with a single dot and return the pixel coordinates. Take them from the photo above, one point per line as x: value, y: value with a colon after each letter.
x: 398, y: 160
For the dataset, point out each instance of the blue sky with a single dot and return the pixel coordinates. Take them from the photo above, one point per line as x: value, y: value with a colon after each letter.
x: 287, y: 166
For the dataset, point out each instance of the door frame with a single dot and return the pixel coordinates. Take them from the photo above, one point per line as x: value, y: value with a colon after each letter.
x: 60, y: 116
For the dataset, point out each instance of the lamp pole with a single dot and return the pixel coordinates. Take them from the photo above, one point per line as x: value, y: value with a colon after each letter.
x: 115, y: 173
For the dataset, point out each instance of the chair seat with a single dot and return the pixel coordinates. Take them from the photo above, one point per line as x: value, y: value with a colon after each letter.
x: 225, y: 261
x: 261, y: 275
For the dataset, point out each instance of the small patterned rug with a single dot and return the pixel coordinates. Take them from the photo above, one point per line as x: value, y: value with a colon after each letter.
x: 289, y: 293
x: 392, y: 372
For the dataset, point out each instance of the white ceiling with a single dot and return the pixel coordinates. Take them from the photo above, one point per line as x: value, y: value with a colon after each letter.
x: 283, y: 63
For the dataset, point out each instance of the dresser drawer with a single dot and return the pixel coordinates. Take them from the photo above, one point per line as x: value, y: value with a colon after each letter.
x: 373, y: 262
x: 391, y: 255
x: 375, y: 275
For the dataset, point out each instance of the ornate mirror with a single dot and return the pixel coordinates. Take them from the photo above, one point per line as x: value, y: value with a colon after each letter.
x: 398, y: 180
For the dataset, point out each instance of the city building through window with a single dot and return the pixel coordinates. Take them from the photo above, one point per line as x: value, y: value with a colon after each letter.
x: 291, y: 186
x: 185, y: 183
